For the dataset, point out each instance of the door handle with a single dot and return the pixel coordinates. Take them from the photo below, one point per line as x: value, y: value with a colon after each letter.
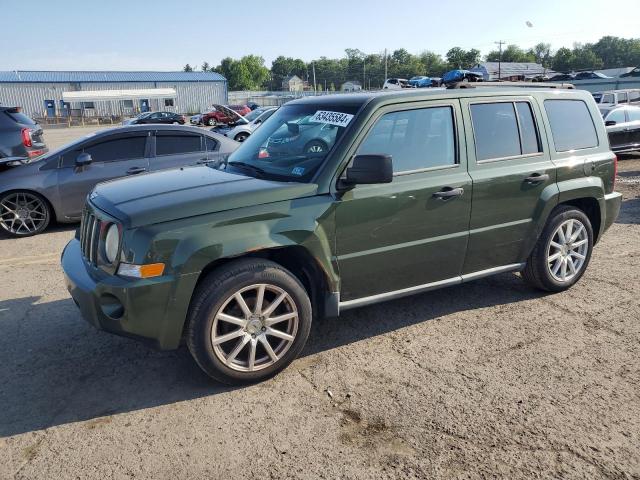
x: 136, y: 170
x: 537, y: 178
x: 448, y: 192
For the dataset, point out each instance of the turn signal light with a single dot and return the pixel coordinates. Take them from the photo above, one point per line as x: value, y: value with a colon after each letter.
x: 141, y: 271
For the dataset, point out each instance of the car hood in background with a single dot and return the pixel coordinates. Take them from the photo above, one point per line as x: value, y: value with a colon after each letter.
x: 187, y: 192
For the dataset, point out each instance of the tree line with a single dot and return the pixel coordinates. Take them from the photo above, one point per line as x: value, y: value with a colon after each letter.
x: 251, y: 73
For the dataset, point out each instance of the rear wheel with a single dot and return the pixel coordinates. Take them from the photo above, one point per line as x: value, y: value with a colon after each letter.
x: 241, y: 137
x: 23, y: 214
x: 211, y: 122
x: 563, y: 251
x: 248, y: 321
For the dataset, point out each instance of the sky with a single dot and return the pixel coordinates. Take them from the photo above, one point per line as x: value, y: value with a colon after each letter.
x: 165, y: 35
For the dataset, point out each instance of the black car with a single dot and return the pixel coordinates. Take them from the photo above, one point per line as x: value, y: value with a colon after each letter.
x: 623, y: 127
x: 562, y: 77
x: 633, y: 73
x: 156, y: 117
x: 20, y: 136
x: 55, y: 185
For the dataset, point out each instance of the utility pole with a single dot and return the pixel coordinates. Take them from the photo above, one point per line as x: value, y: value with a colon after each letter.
x: 364, y: 73
x: 500, y: 43
x: 385, y: 64
x: 313, y: 66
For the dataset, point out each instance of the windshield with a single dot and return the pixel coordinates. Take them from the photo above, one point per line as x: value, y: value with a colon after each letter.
x: 251, y: 116
x: 144, y: 115
x: 292, y: 144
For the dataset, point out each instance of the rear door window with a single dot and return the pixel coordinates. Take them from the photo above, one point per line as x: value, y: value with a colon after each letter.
x: 634, y: 114
x: 118, y: 149
x: 572, y: 127
x: 504, y: 130
x: 174, y: 144
x: 622, y: 98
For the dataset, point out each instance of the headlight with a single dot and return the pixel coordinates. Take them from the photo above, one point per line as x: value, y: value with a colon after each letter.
x: 112, y: 243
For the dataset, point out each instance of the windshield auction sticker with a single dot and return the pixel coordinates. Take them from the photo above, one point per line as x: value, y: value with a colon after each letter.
x: 332, y: 118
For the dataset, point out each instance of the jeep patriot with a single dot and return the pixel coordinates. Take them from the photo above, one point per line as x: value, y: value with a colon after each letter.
x: 341, y: 201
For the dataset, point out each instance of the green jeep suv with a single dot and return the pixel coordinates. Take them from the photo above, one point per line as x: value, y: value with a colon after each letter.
x: 411, y: 191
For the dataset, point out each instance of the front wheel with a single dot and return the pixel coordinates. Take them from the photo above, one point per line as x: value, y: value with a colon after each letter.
x: 23, y: 214
x: 562, y: 252
x: 211, y: 122
x: 247, y: 321
x: 315, y: 146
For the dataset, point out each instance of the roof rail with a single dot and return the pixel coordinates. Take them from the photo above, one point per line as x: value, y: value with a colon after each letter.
x: 510, y: 84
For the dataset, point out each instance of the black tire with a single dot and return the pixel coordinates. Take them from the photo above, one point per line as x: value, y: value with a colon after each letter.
x: 211, y: 122
x: 315, y: 143
x: 18, y: 228
x: 241, y: 137
x: 537, y: 272
x: 211, y: 295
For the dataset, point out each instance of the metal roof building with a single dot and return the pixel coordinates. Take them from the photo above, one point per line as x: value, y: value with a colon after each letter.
x: 490, y: 70
x: 110, y: 93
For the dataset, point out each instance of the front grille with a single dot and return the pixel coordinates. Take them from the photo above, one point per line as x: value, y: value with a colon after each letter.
x: 89, y: 237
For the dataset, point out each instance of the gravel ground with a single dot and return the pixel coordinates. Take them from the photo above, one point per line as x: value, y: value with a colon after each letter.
x: 488, y: 379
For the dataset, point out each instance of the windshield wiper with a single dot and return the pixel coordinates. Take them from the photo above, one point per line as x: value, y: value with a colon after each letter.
x: 248, y: 166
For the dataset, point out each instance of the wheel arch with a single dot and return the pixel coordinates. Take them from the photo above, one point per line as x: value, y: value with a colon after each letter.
x: 591, y: 208
x: 52, y: 209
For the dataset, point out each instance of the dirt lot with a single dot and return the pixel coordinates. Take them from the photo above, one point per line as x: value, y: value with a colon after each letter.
x: 488, y: 379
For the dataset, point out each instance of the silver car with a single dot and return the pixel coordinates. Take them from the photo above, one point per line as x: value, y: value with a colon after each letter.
x: 251, y: 121
x: 55, y: 185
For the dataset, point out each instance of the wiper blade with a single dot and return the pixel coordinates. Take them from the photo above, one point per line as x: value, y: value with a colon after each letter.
x: 247, y: 166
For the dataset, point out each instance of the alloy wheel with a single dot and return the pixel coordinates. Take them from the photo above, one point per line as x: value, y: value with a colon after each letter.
x: 23, y: 213
x: 567, y: 250
x: 254, y: 327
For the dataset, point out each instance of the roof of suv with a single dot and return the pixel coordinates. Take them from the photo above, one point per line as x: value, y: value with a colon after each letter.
x: 361, y: 98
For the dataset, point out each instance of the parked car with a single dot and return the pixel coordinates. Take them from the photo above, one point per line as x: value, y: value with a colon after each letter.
x: 240, y: 258
x: 20, y: 137
x: 396, y: 84
x: 221, y: 115
x: 623, y: 127
x: 455, y: 76
x: 562, y: 77
x: 249, y: 123
x: 633, y: 73
x: 617, y: 97
x: 156, y: 117
x: 420, y: 81
x: 590, y: 76
x: 55, y: 186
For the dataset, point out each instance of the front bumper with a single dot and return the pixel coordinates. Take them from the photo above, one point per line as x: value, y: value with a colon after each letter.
x: 612, y: 203
x: 151, y: 310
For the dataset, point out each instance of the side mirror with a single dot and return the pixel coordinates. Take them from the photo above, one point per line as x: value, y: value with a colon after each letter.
x: 370, y: 169
x: 294, y: 128
x: 610, y: 123
x: 83, y: 159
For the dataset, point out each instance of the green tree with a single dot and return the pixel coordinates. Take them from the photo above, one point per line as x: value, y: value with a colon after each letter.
x: 206, y: 67
x: 282, y: 67
x: 541, y: 52
x: 563, y: 60
x: 585, y: 59
x: 188, y: 68
x: 459, y: 58
x: 512, y: 53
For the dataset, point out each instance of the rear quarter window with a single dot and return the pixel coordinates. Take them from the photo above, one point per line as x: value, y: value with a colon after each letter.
x: 572, y: 127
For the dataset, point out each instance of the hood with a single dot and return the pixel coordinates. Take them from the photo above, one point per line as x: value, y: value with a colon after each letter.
x: 187, y: 192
